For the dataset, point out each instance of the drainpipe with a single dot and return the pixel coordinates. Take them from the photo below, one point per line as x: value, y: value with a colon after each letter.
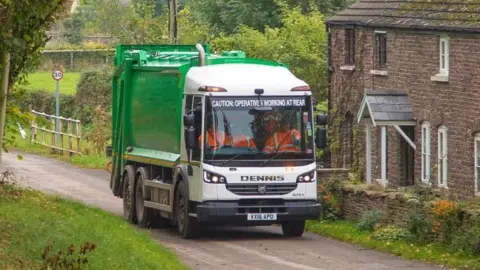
x: 329, y: 83
x: 329, y: 66
x: 201, y: 54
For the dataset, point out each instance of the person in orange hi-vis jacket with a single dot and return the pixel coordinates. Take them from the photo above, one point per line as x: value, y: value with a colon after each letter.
x: 285, y: 140
x: 214, y: 140
x: 243, y: 141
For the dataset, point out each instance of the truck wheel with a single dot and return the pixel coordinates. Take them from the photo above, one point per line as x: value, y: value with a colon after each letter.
x: 144, y: 214
x: 129, y: 194
x: 293, y: 228
x: 187, y: 226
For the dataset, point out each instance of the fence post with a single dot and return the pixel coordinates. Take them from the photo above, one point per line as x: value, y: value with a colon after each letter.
x: 71, y: 60
x: 60, y: 129
x: 70, y: 141
x: 79, y: 136
x: 53, y: 133
x: 32, y: 125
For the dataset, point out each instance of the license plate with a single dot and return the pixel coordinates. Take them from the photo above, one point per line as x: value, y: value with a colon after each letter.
x: 265, y: 216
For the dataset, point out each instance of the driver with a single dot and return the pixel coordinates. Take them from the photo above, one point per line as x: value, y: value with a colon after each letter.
x: 285, y: 140
x: 214, y: 140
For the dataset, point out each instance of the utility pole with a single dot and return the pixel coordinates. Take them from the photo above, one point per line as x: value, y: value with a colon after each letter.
x: 172, y: 22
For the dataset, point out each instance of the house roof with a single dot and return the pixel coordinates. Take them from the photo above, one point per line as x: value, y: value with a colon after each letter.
x: 386, y: 108
x: 449, y: 15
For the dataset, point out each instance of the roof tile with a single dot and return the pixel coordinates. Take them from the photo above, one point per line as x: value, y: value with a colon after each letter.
x: 463, y: 15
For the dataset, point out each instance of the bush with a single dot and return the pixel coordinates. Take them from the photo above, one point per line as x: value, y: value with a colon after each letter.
x: 43, y: 101
x: 447, y: 219
x: 100, y: 131
x: 467, y: 237
x: 420, y: 226
x: 330, y: 197
x: 370, y: 220
x: 93, y: 89
x: 389, y: 233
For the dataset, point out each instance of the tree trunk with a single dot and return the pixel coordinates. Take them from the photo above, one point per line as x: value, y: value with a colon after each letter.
x: 5, y: 72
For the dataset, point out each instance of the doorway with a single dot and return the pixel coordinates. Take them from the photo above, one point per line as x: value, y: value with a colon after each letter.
x: 407, y: 157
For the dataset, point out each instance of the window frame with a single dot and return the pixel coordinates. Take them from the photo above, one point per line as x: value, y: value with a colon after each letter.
x: 476, y: 163
x: 350, y: 46
x: 444, y: 55
x: 442, y: 157
x: 381, y: 39
x: 426, y: 152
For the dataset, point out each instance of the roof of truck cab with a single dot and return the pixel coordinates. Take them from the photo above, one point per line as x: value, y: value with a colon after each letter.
x: 243, y: 79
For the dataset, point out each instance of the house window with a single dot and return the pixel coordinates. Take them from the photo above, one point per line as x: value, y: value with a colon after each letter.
x: 444, y: 55
x: 442, y: 156
x: 477, y: 164
x: 381, y: 49
x: 349, y: 47
x: 426, y: 152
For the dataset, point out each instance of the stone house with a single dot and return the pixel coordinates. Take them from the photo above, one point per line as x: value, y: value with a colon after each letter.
x: 404, y: 94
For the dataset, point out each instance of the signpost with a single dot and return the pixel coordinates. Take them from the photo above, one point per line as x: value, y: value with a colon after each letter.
x: 57, y: 75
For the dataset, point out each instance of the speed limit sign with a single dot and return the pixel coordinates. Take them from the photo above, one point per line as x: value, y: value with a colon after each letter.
x: 57, y: 75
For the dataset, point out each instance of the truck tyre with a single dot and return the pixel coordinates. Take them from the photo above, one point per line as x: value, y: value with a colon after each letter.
x: 129, y: 194
x: 293, y: 228
x: 187, y: 226
x: 144, y: 214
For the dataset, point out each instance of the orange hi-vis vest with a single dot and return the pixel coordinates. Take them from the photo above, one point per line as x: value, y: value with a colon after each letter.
x: 217, y: 141
x: 282, y: 142
x: 243, y: 141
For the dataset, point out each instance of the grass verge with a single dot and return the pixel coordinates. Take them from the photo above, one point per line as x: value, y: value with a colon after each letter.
x: 43, y: 80
x: 91, y: 161
x: 30, y: 221
x: 348, y: 232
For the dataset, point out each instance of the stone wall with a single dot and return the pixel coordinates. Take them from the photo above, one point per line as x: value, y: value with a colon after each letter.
x: 332, y: 174
x: 395, y: 205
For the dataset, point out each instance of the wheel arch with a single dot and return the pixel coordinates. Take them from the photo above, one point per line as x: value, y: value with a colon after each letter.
x: 180, y: 175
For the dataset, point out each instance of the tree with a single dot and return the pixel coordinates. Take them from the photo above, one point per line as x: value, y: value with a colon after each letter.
x: 22, y: 36
x: 190, y: 31
x: 226, y: 16
x: 133, y: 23
x: 326, y: 7
x: 74, y: 29
x: 300, y: 44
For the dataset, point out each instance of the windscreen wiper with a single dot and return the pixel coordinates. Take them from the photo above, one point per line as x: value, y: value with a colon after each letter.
x: 270, y: 159
x: 234, y: 157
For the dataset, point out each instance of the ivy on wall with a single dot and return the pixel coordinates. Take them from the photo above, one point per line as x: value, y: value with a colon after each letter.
x: 346, y: 92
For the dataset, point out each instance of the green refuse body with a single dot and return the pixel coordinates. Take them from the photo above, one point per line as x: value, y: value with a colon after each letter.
x: 168, y: 100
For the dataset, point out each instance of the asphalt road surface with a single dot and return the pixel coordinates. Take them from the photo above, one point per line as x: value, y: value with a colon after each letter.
x: 218, y: 248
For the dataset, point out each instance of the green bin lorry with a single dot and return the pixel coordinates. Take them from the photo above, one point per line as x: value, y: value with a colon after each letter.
x: 200, y: 139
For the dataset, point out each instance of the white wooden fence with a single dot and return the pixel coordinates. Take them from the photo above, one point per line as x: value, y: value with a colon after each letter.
x: 46, y: 130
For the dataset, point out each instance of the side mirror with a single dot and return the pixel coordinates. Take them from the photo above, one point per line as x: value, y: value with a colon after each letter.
x: 189, y: 120
x: 198, y: 108
x: 321, y: 138
x: 322, y: 119
x: 190, y: 138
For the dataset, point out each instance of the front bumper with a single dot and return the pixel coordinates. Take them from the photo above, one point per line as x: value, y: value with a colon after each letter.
x: 235, y: 212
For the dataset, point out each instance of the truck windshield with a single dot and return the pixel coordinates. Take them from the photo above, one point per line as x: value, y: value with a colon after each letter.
x: 271, y: 129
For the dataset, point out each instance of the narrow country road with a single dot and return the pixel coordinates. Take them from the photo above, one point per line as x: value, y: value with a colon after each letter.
x: 218, y: 248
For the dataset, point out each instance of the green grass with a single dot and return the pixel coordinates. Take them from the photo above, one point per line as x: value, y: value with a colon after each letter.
x: 91, y: 161
x: 43, y: 80
x: 348, y: 232
x: 30, y: 220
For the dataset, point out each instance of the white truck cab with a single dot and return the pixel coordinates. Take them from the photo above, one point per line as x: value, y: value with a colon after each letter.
x: 248, y: 147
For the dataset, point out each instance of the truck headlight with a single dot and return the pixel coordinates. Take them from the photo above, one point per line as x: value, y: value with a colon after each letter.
x: 213, y: 178
x: 307, y: 177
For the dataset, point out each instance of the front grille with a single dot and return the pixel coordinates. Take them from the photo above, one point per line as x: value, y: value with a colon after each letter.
x: 261, y: 189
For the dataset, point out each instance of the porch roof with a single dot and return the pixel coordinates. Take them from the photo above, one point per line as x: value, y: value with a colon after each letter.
x: 389, y: 107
